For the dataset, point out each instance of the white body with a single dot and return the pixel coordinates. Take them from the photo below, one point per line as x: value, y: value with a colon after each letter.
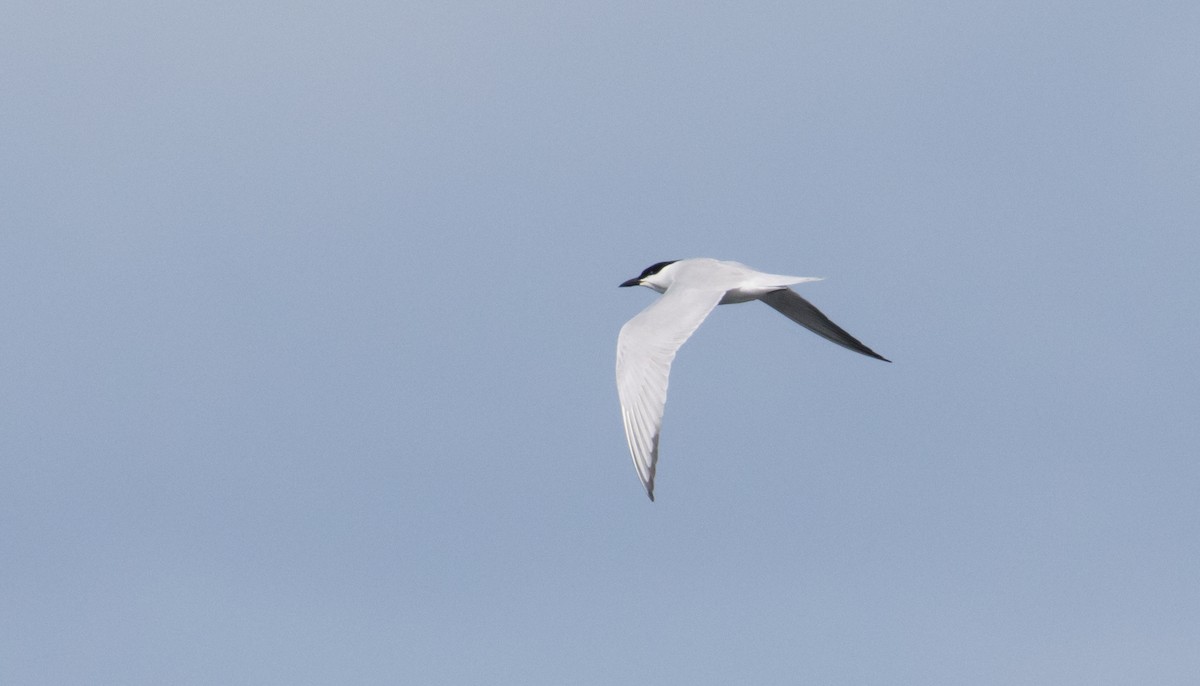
x: 738, y: 282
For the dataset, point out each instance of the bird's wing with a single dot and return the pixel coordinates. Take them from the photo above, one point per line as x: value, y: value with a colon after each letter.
x: 645, y: 348
x: 801, y: 311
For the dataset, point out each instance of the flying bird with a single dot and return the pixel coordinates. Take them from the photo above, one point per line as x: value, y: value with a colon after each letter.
x: 690, y: 290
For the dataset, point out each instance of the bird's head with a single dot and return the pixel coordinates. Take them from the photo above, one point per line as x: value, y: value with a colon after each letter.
x: 657, y: 276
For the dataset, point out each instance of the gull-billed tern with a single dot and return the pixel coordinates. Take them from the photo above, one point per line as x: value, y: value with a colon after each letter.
x: 647, y: 343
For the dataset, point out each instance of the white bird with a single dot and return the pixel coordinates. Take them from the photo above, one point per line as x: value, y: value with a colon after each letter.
x: 647, y: 343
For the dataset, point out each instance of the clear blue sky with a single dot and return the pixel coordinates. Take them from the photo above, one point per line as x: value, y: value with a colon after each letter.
x: 310, y: 312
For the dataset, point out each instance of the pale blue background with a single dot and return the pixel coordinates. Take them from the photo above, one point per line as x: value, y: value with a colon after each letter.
x: 309, y: 312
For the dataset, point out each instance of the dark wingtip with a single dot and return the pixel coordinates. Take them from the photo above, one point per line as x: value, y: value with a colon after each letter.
x: 871, y: 353
x: 790, y: 304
